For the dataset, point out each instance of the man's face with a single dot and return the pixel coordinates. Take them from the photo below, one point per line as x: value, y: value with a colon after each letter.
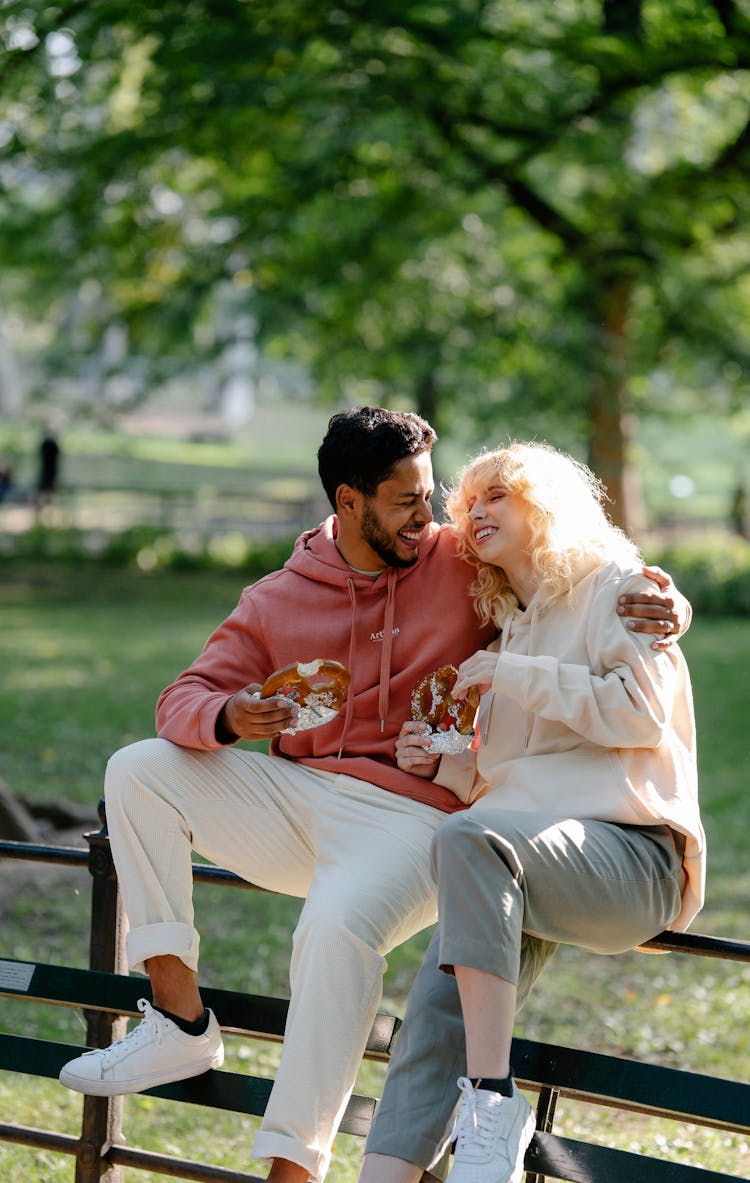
x: 392, y: 521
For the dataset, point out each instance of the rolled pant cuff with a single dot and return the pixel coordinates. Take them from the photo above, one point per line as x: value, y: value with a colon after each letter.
x: 159, y: 940
x: 271, y: 1145
x: 420, y: 1151
x: 461, y: 950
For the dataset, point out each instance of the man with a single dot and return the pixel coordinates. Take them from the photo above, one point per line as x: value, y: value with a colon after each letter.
x: 328, y: 815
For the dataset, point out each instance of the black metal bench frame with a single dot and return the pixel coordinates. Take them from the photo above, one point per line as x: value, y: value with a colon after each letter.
x: 108, y: 996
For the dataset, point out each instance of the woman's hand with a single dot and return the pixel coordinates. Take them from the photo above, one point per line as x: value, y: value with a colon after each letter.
x: 478, y: 670
x: 411, y: 754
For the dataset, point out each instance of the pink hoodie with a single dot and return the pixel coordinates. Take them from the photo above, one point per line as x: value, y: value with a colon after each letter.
x: 389, y: 631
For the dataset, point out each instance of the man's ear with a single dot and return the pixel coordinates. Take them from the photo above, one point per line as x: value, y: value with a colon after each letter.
x: 348, y: 503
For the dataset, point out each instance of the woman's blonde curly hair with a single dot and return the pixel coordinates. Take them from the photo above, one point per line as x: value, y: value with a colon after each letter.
x: 567, y: 518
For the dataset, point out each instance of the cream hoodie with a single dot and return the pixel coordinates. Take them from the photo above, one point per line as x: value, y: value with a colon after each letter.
x: 584, y: 719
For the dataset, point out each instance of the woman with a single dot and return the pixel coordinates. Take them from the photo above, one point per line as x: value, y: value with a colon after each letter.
x: 584, y: 826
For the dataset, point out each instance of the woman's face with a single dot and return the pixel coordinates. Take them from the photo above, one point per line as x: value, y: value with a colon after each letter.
x: 498, y: 524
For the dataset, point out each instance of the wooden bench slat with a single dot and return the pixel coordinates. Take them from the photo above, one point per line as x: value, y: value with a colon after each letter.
x: 241, y: 1014
x: 631, y: 1084
x: 217, y: 1089
x: 583, y: 1162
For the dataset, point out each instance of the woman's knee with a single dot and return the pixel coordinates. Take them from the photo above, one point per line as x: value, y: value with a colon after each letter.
x: 457, y: 831
x: 467, y: 839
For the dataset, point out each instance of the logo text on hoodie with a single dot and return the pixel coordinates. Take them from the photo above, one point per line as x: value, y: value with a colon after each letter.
x: 378, y: 636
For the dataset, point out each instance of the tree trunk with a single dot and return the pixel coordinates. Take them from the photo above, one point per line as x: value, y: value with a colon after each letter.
x: 16, y: 823
x: 11, y: 394
x: 426, y: 397
x: 429, y: 407
x: 610, y: 413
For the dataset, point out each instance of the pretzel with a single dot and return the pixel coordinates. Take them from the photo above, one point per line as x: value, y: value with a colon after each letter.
x: 451, y: 720
x: 319, y: 687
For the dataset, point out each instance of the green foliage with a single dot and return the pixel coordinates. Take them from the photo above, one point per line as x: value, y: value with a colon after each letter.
x: 148, y: 548
x: 713, y: 574
x: 438, y: 204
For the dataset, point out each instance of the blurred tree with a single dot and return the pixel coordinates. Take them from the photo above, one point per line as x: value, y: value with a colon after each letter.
x: 502, y: 214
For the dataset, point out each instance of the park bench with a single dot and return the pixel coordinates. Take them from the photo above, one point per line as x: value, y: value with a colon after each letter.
x: 107, y: 996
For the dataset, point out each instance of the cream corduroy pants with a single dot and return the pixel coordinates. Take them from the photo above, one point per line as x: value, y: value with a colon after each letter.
x: 359, y: 856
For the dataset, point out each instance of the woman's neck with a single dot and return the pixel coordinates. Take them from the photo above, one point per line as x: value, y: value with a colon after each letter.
x: 523, y: 580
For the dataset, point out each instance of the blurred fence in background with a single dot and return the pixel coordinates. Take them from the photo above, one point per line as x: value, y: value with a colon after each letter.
x: 203, y: 509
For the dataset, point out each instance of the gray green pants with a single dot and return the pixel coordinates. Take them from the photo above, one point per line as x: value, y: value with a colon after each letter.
x: 511, y: 887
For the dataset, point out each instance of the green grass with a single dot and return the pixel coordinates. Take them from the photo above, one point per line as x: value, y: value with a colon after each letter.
x: 83, y: 662
x: 85, y: 658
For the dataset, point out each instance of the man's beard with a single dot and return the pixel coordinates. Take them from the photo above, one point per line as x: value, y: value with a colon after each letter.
x: 381, y: 542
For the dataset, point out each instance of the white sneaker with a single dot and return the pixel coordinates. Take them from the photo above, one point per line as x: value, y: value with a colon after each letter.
x: 492, y: 1133
x: 155, y: 1052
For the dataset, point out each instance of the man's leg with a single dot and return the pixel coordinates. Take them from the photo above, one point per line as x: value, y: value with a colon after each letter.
x: 359, y: 853
x: 163, y: 801
x: 372, y: 889
x: 237, y: 808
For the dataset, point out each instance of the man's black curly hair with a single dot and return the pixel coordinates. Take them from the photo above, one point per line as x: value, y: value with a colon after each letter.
x: 362, y: 446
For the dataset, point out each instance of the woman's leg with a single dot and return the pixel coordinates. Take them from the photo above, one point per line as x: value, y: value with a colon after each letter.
x: 600, y: 886
x: 488, y: 1005
x: 592, y: 883
x: 372, y: 889
x: 409, y: 1133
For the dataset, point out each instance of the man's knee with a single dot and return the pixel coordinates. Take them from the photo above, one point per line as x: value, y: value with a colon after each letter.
x: 133, y: 765
x: 338, y: 923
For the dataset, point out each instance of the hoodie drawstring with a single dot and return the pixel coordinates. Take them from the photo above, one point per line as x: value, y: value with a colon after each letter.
x: 505, y: 633
x: 352, y: 650
x: 384, y: 690
x: 385, y: 654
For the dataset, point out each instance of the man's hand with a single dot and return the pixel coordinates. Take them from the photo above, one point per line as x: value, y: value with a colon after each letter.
x: 248, y: 716
x: 667, y: 614
x: 411, y: 755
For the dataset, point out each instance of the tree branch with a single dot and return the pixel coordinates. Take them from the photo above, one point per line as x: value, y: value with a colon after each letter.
x: 623, y: 17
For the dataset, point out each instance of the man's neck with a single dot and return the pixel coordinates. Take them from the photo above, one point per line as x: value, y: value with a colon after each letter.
x: 359, y: 570
x: 356, y: 553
